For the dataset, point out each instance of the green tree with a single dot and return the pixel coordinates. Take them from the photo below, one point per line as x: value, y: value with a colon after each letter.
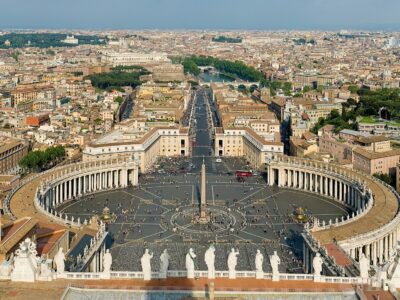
x: 119, y: 100
x: 354, y: 89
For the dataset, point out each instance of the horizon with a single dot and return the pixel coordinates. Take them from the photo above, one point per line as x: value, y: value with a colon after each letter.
x: 176, y: 15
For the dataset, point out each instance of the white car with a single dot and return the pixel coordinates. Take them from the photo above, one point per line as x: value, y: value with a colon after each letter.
x: 218, y: 160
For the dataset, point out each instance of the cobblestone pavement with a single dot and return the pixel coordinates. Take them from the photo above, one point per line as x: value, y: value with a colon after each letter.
x: 246, y: 215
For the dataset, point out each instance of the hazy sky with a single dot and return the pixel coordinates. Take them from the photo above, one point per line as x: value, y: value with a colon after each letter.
x: 201, y: 14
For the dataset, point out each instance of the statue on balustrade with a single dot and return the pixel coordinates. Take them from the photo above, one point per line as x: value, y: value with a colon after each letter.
x: 146, y: 265
x: 364, y: 266
x: 275, y: 262
x: 259, y: 264
x: 164, y: 263
x: 59, y: 260
x: 107, y: 261
x: 190, y: 256
x: 317, y: 264
x: 232, y: 262
x: 209, y: 258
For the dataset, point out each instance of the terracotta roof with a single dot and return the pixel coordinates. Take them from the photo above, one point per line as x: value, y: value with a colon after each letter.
x: 338, y: 254
x: 376, y: 155
x: 372, y: 139
x: 15, y: 232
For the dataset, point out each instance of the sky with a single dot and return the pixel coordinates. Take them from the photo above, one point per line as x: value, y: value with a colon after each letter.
x: 201, y: 14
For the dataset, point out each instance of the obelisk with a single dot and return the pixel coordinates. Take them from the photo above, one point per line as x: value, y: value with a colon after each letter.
x: 203, y: 202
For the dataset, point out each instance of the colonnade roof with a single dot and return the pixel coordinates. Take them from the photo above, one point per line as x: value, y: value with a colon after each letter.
x: 383, y: 211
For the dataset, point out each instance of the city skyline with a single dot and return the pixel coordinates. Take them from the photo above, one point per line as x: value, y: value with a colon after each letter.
x: 207, y: 15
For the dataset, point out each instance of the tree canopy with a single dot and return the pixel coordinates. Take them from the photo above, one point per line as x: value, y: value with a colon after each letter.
x: 45, y: 40
x: 116, y: 79
x: 37, y: 160
x: 237, y: 69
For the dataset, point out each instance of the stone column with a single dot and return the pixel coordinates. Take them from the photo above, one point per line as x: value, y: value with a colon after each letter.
x: 116, y: 182
x: 56, y: 194
x: 368, y: 251
x: 306, y: 181
x: 374, y: 253
x: 85, y: 184
x: 90, y: 182
x: 301, y: 173
x: 381, y: 251
x: 80, y: 185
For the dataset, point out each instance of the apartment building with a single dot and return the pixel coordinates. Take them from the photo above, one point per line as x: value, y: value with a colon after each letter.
x: 43, y: 94
x: 11, y: 152
x: 376, y: 162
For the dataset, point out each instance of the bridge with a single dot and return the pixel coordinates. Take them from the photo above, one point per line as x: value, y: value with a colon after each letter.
x: 235, y: 83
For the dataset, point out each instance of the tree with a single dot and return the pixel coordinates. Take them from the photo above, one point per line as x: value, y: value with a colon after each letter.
x: 37, y: 160
x: 354, y: 89
x: 287, y: 88
x: 119, y: 100
x: 386, y: 178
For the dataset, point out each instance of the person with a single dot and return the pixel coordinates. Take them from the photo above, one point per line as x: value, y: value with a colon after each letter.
x: 59, y: 260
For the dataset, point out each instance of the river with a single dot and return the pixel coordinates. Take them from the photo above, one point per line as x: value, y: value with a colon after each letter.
x: 214, y: 77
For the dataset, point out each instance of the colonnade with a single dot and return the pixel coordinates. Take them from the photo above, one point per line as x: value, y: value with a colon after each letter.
x: 339, y: 188
x: 86, y: 180
x: 351, y: 189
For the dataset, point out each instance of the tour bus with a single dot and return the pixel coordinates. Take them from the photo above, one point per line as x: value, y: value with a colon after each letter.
x: 244, y: 173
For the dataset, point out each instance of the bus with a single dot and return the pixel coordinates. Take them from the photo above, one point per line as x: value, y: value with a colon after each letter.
x: 243, y: 173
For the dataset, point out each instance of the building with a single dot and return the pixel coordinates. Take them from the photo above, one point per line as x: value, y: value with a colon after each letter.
x: 33, y: 96
x: 337, y: 147
x: 301, y: 147
x: 132, y: 58
x: 376, y: 162
x: 245, y: 142
x: 168, y: 73
x: 70, y: 39
x: 145, y: 146
x: 36, y: 120
x: 11, y: 152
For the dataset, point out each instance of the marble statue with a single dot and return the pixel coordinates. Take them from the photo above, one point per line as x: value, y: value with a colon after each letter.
x: 317, y: 264
x: 259, y: 264
x: 275, y: 262
x: 107, y: 261
x: 164, y: 263
x: 25, y: 262
x: 232, y: 262
x: 209, y: 258
x: 59, y: 260
x: 146, y: 265
x: 364, y: 266
x: 190, y: 256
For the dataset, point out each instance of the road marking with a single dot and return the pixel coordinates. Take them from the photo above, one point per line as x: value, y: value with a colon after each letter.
x: 192, y: 194
x: 212, y: 192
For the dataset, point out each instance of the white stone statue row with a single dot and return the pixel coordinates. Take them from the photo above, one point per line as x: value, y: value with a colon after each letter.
x: 209, y: 259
